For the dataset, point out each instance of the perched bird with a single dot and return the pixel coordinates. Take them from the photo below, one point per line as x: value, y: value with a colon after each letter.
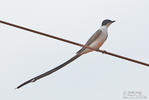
x: 95, y: 42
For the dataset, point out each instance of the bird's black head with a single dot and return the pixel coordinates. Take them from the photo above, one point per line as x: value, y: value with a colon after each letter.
x: 107, y: 21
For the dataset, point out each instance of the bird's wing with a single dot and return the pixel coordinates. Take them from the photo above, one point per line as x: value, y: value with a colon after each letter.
x: 92, y: 38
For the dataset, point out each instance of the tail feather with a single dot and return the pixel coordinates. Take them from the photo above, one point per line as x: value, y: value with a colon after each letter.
x: 49, y: 72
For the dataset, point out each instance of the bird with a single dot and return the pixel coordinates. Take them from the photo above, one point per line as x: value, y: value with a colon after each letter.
x: 95, y: 42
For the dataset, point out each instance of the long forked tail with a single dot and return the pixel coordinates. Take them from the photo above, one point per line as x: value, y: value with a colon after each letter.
x: 50, y: 71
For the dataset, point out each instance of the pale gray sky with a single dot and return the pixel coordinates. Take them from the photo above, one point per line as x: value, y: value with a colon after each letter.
x: 91, y: 77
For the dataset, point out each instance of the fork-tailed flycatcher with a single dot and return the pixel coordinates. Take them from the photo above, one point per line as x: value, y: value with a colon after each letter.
x: 95, y: 42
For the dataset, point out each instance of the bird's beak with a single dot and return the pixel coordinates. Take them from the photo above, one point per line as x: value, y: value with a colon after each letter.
x: 113, y: 21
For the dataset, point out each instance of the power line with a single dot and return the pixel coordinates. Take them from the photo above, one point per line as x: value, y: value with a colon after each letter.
x: 71, y: 42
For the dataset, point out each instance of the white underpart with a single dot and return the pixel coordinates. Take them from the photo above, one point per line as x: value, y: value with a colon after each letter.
x: 99, y: 41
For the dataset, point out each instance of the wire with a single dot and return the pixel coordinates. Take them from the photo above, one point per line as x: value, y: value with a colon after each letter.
x: 71, y: 42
